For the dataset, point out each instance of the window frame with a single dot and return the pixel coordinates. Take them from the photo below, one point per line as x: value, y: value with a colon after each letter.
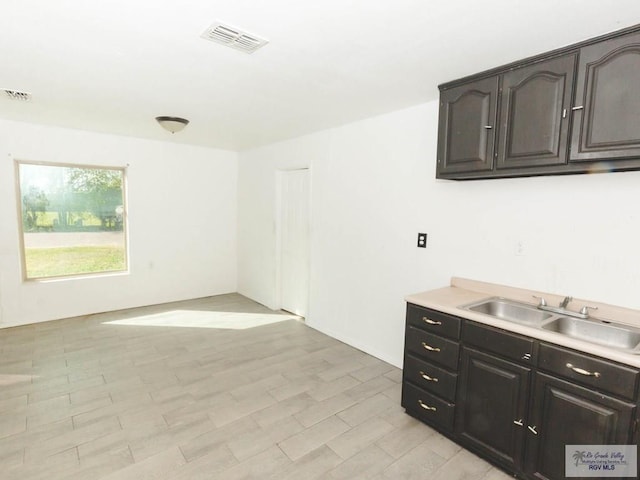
x: 21, y: 229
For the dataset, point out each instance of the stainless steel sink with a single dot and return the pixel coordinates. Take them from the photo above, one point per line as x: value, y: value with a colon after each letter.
x: 510, y: 310
x: 601, y: 332
x: 597, y: 331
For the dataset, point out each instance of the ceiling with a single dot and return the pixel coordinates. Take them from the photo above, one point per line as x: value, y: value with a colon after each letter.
x: 112, y: 66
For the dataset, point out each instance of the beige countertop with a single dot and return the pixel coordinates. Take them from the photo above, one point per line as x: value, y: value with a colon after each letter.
x: 463, y: 292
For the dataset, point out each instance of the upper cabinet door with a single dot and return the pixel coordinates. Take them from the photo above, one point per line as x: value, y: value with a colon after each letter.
x: 534, y: 118
x: 467, y: 127
x: 606, y: 122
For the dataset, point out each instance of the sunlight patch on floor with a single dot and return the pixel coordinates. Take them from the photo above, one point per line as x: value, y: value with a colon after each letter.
x: 6, y: 380
x: 204, y: 319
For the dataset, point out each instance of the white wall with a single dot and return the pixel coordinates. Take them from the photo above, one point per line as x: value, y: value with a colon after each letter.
x: 374, y: 188
x: 182, y: 223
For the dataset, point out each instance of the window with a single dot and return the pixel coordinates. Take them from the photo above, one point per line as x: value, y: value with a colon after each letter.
x: 72, y: 219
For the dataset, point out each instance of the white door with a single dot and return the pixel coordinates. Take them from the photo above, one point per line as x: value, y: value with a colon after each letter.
x: 293, y: 230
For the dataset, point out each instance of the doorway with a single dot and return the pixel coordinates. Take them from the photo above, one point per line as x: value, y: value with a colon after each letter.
x: 292, y: 232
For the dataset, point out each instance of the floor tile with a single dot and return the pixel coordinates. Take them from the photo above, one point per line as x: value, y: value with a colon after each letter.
x: 257, y: 440
x: 314, y: 437
x: 367, y: 409
x: 316, y: 464
x: 365, y: 464
x: 418, y: 463
x: 358, y: 438
x: 325, y: 409
x: 82, y: 398
x: 266, y: 464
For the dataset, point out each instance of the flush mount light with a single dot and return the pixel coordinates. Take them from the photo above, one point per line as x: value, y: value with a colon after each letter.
x: 172, y: 124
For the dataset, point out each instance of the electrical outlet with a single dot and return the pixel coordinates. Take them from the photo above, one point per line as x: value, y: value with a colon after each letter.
x: 422, y: 240
x: 520, y: 251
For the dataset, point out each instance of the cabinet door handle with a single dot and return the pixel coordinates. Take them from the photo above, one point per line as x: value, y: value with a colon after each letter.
x: 430, y: 348
x: 582, y: 371
x: 532, y: 429
x: 564, y: 113
x: 488, y: 127
x: 428, y: 378
x: 577, y: 108
x: 526, y: 356
x: 426, y: 407
x: 520, y: 422
x: 431, y: 322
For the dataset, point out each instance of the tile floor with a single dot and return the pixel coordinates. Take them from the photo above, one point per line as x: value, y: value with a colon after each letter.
x: 163, y: 392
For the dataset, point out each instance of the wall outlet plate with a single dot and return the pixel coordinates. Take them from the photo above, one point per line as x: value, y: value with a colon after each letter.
x: 422, y: 240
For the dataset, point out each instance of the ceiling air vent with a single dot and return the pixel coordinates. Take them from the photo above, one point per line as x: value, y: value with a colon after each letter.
x: 17, y: 95
x: 233, y: 37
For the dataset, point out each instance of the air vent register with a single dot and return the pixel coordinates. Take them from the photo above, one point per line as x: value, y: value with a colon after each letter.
x: 233, y: 37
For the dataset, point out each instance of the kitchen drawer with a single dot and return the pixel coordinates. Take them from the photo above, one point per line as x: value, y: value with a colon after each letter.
x: 500, y: 342
x: 432, y: 347
x: 600, y: 374
x: 427, y: 407
x: 429, y: 377
x: 433, y: 321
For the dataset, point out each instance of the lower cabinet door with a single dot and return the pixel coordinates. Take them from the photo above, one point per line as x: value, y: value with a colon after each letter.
x: 566, y: 414
x: 492, y: 406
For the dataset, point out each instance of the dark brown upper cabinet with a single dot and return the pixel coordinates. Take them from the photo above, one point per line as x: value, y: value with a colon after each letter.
x: 572, y: 110
x: 531, y: 127
x: 534, y: 114
x: 467, y: 127
x: 606, y: 122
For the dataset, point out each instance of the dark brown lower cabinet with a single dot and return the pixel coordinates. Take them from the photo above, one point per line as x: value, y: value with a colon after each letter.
x: 492, y: 406
x: 563, y: 414
x: 512, y: 399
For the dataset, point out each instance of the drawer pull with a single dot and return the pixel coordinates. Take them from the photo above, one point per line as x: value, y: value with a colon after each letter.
x: 581, y: 371
x: 428, y: 378
x: 526, y: 356
x: 431, y: 322
x: 532, y: 429
x: 430, y: 348
x: 520, y: 422
x: 427, y: 407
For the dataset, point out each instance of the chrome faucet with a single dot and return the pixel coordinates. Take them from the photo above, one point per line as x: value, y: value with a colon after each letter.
x: 565, y: 302
x: 562, y: 308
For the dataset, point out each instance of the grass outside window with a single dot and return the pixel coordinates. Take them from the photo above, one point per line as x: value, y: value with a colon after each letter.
x: 63, y: 261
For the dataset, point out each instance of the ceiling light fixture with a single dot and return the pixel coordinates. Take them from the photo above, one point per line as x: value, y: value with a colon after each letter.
x: 172, y: 124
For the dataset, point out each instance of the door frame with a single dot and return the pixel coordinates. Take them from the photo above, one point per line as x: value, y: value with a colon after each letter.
x: 280, y: 173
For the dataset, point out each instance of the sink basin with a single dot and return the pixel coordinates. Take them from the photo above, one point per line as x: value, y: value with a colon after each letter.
x: 597, y: 331
x: 593, y: 330
x: 510, y: 310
